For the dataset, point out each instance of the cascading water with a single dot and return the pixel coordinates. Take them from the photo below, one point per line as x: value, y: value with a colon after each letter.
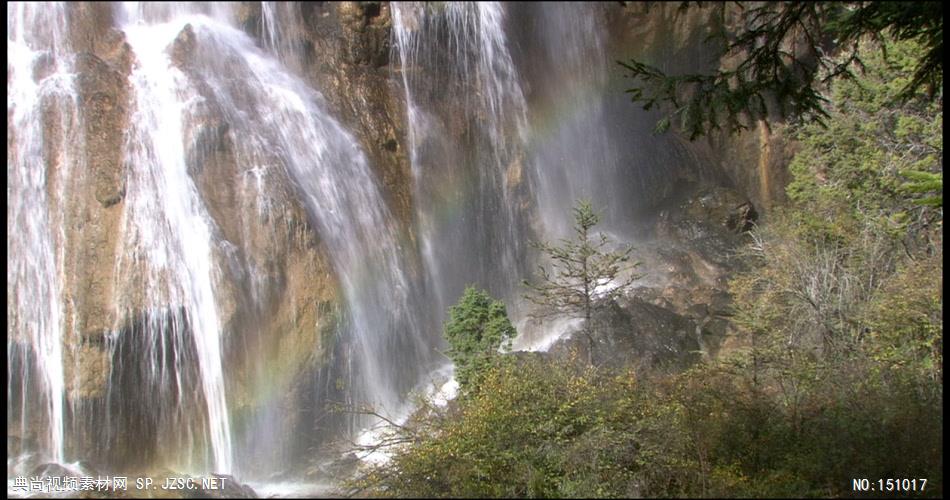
x: 394, y: 343
x: 39, y: 78
x: 490, y: 180
x: 236, y: 182
x: 570, y: 141
x: 167, y: 224
x: 585, y: 140
x: 332, y: 175
x: 467, y: 126
x: 505, y: 137
x: 195, y: 79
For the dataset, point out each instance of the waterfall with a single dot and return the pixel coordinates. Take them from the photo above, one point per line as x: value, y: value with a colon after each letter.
x: 467, y: 126
x: 276, y: 114
x: 198, y: 82
x: 511, y: 121
x: 245, y: 213
x: 584, y: 139
x: 570, y: 140
x: 167, y: 223
x: 280, y: 26
x: 40, y: 78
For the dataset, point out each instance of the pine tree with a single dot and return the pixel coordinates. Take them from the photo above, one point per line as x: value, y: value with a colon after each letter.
x: 477, y: 327
x: 585, y: 274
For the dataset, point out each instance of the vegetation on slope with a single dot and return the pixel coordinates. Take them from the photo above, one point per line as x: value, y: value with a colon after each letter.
x: 840, y: 376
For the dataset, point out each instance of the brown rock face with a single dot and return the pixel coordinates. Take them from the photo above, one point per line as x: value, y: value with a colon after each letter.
x: 276, y: 291
x: 90, y: 195
x: 681, y: 41
x: 369, y: 96
x: 343, y: 50
x: 103, y: 94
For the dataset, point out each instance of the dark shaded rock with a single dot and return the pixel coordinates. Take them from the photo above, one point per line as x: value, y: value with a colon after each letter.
x: 634, y: 333
x: 742, y: 218
x: 755, y: 160
x: 717, y: 327
x: 689, y: 254
x: 88, y: 468
x: 696, y: 212
x: 248, y: 16
x: 43, y: 66
x: 720, y: 304
x: 20, y: 444
x: 53, y: 470
x: 366, y: 27
x: 341, y: 466
x: 697, y: 311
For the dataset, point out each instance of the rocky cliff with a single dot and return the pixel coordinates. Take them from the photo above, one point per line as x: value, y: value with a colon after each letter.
x: 678, y: 41
x: 279, y: 297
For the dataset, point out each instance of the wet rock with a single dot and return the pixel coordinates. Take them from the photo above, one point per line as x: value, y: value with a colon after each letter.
x: 52, y: 469
x: 275, y: 291
x: 342, y: 49
x: 89, y: 24
x: 696, y: 212
x: 720, y: 303
x: 182, y: 50
x: 343, y: 466
x: 366, y: 29
x: 88, y: 189
x: 697, y: 311
x: 43, y: 66
x: 248, y: 17
x: 91, y: 363
x: 634, y: 333
x: 689, y: 255
x: 92, y: 216
x: 103, y: 94
x: 681, y: 41
x: 718, y: 327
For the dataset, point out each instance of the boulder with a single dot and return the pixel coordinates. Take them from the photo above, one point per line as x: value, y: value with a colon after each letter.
x: 634, y: 333
x: 52, y: 469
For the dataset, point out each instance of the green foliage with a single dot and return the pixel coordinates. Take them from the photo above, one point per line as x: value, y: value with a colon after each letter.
x: 904, y: 322
x: 585, y: 274
x: 870, y: 146
x: 924, y: 183
x: 782, y: 52
x: 842, y: 309
x: 533, y: 430
x: 549, y: 429
x: 920, y: 22
x: 477, y: 327
x: 850, y: 177
x: 835, y: 373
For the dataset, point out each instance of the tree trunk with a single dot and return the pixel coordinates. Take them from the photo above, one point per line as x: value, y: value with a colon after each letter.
x: 587, y: 307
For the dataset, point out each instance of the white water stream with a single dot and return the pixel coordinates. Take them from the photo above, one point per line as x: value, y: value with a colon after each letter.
x: 471, y: 224
x: 477, y: 152
x: 35, y: 46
